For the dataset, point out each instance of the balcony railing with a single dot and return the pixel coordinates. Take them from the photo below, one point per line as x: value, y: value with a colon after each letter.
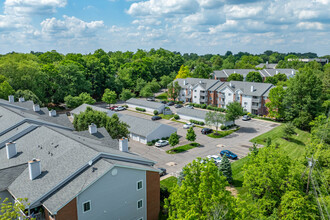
x: 255, y: 107
x: 255, y: 100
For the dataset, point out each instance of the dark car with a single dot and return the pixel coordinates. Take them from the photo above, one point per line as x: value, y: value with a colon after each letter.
x: 163, y: 102
x: 170, y: 103
x: 162, y: 171
x: 246, y: 118
x: 156, y: 117
x: 178, y: 106
x: 229, y: 154
x: 207, y: 130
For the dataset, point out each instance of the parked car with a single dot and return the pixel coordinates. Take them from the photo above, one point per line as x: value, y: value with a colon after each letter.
x: 120, y: 108
x: 156, y: 117
x: 162, y: 171
x: 206, y: 131
x: 112, y: 108
x: 163, y: 102
x: 216, y: 158
x: 229, y: 154
x: 246, y: 118
x: 178, y: 106
x: 161, y: 143
x: 151, y: 99
x: 188, y: 125
x: 170, y: 103
x: 189, y: 106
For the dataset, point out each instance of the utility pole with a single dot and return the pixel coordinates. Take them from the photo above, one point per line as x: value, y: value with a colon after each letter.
x: 311, y: 163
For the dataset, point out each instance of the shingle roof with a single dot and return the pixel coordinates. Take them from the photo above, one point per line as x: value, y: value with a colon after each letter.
x: 192, y: 113
x: 8, y: 175
x: 267, y: 65
x: 145, y: 103
x: 64, y: 157
x: 245, y: 87
x: 272, y: 72
x: 225, y: 73
x: 205, y: 83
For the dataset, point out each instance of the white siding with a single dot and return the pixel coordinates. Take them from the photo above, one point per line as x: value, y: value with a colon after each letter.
x: 196, y: 98
x: 182, y: 96
x: 247, y: 103
x: 185, y: 117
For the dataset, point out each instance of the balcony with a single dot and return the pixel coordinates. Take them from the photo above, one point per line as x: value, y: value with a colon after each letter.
x: 255, y: 107
x: 255, y: 100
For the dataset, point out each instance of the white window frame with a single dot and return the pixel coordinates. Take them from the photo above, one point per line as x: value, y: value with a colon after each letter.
x: 90, y: 206
x: 137, y: 185
x: 137, y: 204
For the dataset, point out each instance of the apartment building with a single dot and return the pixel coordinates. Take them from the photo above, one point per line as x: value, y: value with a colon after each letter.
x: 252, y: 96
x: 66, y: 174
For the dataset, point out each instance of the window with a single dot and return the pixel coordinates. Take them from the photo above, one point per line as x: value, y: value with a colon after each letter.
x: 195, y: 90
x: 139, y: 204
x: 139, y: 185
x: 245, y: 103
x: 182, y: 94
x: 229, y: 94
x: 194, y: 96
x: 86, y: 206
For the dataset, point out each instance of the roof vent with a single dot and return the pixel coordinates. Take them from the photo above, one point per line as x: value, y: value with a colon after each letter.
x: 36, y: 108
x: 276, y: 72
x: 11, y: 149
x: 92, y: 128
x: 230, y: 84
x: 252, y: 88
x: 234, y: 71
x: 52, y: 113
x: 292, y: 72
x: 123, y: 145
x: 184, y: 82
x: 11, y: 98
x: 34, y: 168
x: 21, y: 99
x: 200, y: 81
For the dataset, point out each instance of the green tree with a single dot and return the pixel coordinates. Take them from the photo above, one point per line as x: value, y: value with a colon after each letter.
x: 116, y: 128
x: 216, y: 119
x: 235, y: 77
x: 276, y: 107
x: 174, y: 139
x: 225, y: 168
x: 173, y: 90
x: 288, y: 130
x: 146, y: 91
x: 184, y: 72
x: 202, y: 191
x: 10, y: 210
x: 75, y: 101
x: 303, y: 98
x: 6, y: 90
x: 109, y: 97
x: 202, y: 70
x: 165, y: 80
x: 126, y: 94
x: 28, y: 95
x: 191, y: 136
x: 140, y: 83
x: 233, y: 111
x: 280, y: 77
x: 253, y: 77
x: 248, y: 62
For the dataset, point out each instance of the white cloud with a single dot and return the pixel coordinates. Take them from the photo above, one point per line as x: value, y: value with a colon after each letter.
x: 239, y: 12
x: 310, y: 25
x: 69, y: 27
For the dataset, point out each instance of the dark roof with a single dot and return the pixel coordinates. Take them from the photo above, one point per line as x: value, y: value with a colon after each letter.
x: 258, y: 88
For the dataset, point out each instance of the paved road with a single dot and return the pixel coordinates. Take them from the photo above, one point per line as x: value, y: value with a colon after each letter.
x: 238, y: 142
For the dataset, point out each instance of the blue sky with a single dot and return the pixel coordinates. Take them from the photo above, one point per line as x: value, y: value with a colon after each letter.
x: 193, y: 26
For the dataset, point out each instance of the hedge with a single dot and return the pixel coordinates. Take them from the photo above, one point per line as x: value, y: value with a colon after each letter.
x: 140, y: 109
x: 176, y: 117
x: 197, y: 122
x: 155, y: 112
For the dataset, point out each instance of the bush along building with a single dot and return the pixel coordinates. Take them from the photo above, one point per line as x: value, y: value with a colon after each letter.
x: 251, y: 95
x: 66, y: 174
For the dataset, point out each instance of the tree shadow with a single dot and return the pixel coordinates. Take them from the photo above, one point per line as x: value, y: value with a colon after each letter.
x: 247, y: 130
x: 296, y: 141
x: 237, y: 183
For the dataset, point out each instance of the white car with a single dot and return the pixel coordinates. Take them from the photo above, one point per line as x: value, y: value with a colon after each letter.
x: 216, y: 158
x: 188, y: 125
x: 120, y: 108
x: 189, y: 106
x: 161, y: 143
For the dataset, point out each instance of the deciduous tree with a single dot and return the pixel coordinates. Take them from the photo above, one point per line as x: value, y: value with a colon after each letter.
x: 191, y: 136
x: 214, y: 118
x: 253, y: 77
x: 109, y: 97
x: 233, y: 111
x: 235, y: 77
x: 6, y: 90
x: 225, y: 168
x: 276, y: 106
x: 184, y: 72
x: 174, y: 139
x: 126, y: 94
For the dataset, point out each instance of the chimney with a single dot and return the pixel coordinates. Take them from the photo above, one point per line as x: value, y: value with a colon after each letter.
x: 52, y: 113
x: 266, y: 62
x: 21, y: 99
x: 200, y: 81
x: 230, y: 84
x: 36, y: 108
x: 123, y: 145
x: 11, y: 99
x: 184, y: 82
x: 34, y: 168
x: 276, y: 72
x: 11, y: 149
x: 252, y: 88
x: 234, y: 71
x: 92, y: 128
x: 292, y: 72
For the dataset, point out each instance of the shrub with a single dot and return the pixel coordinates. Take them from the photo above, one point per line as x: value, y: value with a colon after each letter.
x: 191, y: 104
x: 150, y: 143
x: 126, y: 106
x: 176, y: 117
x: 155, y: 112
x: 210, y: 107
x: 223, y: 127
x: 154, y: 141
x: 197, y: 122
x: 253, y: 115
x: 203, y: 106
x: 140, y: 109
x: 165, y: 138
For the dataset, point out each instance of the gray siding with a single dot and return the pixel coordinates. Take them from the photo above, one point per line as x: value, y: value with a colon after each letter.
x: 115, y: 196
x: 162, y: 131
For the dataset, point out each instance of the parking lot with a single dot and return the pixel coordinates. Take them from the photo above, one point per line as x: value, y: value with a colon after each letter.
x: 238, y: 143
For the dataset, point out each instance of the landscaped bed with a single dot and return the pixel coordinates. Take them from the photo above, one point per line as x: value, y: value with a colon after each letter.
x: 183, y: 148
x: 221, y: 134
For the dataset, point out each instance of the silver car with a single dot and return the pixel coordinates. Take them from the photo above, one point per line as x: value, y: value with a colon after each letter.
x: 161, y: 143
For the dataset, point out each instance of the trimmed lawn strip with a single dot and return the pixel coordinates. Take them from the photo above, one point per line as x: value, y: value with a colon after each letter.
x: 295, y: 149
x: 221, y: 134
x: 167, y: 117
x: 162, y: 96
x: 169, y: 182
x: 183, y: 148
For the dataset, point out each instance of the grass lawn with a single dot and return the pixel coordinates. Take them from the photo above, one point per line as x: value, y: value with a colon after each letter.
x: 221, y: 134
x: 294, y: 148
x: 162, y: 96
x: 167, y: 117
x: 169, y: 182
x: 182, y: 148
